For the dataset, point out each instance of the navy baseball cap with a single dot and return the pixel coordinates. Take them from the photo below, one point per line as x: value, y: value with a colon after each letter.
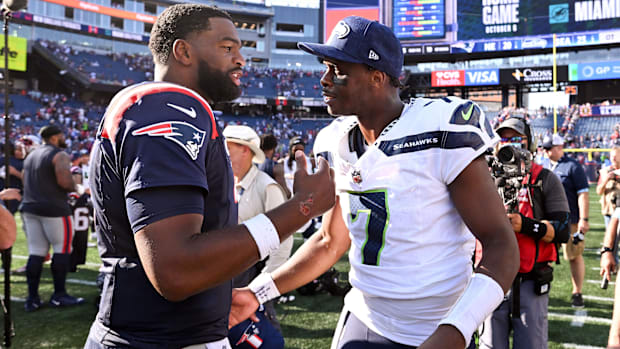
x: 359, y: 40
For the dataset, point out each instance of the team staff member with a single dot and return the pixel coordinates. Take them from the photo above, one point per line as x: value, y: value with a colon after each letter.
x: 257, y: 193
x: 163, y: 192
x: 540, y: 226
x: 47, y: 216
x: 576, y: 187
x: 405, y: 176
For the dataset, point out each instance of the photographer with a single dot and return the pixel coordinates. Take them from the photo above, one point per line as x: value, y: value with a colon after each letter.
x: 539, y: 216
x: 608, y: 186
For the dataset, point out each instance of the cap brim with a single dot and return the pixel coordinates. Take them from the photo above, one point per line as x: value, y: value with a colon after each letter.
x: 327, y: 51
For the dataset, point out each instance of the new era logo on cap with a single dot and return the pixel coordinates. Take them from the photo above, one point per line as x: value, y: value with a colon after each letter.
x: 373, y: 55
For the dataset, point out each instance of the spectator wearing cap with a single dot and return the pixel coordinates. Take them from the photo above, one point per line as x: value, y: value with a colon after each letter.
x: 47, y: 216
x: 257, y: 193
x: 576, y: 187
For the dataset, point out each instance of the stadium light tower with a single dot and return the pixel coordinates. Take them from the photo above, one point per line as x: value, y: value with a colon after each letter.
x: 8, y: 6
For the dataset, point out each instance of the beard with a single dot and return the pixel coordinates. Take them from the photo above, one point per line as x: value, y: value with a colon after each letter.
x: 216, y: 85
x: 62, y: 144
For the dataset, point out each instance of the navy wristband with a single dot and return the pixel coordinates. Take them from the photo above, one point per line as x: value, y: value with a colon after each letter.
x: 533, y: 228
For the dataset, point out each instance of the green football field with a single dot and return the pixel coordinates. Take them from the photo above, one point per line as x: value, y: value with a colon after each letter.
x: 309, y: 321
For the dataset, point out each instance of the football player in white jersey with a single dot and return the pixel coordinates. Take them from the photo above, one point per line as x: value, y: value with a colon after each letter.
x: 412, y: 187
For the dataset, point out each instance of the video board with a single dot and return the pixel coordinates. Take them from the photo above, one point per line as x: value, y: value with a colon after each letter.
x: 418, y: 19
x: 474, y: 26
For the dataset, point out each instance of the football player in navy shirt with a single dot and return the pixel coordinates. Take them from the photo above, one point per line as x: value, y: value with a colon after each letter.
x: 163, y: 194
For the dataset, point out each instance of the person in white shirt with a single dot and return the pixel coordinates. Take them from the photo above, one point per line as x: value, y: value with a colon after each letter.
x: 256, y: 193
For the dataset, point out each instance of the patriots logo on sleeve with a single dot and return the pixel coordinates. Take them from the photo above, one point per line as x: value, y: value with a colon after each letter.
x: 182, y: 133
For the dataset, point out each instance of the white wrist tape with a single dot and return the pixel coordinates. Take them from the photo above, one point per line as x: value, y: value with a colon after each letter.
x: 264, y: 233
x: 480, y: 298
x: 264, y: 288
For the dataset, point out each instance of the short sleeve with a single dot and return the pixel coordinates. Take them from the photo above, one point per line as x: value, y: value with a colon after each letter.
x: 164, y: 142
x: 616, y: 213
x: 465, y: 134
x: 580, y: 178
x: 145, y: 207
x: 553, y: 192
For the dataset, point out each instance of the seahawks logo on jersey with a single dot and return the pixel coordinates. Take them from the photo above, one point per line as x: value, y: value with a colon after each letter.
x: 469, y: 114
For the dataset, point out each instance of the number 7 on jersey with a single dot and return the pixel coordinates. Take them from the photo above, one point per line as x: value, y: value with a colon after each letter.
x: 372, y: 206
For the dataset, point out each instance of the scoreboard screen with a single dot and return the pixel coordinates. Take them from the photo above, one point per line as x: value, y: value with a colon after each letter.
x: 419, y: 19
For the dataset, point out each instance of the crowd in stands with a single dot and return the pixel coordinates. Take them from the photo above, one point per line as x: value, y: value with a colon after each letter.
x: 80, y: 120
x: 286, y: 82
x: 125, y: 69
x: 575, y: 125
x: 113, y: 68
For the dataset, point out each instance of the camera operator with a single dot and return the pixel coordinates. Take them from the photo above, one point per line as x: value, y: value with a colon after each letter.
x: 539, y: 215
x: 608, y: 186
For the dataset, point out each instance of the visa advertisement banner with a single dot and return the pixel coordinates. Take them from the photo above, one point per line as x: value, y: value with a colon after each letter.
x: 594, y: 71
x: 481, y: 77
x: 485, y: 19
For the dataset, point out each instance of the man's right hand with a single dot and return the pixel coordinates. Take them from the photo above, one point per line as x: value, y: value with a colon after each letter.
x: 316, y: 192
x: 608, y: 265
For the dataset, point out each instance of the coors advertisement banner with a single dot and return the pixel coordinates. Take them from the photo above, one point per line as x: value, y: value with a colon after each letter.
x: 532, y: 75
x: 485, y: 19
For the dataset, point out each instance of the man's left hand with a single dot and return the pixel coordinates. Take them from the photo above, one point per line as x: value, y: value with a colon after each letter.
x: 516, y: 221
x: 583, y: 226
x: 244, y: 305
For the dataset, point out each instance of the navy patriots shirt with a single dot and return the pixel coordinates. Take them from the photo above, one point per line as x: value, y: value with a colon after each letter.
x: 157, y: 135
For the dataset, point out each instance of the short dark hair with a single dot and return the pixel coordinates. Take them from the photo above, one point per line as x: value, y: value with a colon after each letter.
x: 46, y: 132
x: 268, y: 141
x: 177, y: 22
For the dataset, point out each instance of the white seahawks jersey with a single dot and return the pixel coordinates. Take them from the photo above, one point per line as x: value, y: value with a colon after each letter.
x: 411, y: 251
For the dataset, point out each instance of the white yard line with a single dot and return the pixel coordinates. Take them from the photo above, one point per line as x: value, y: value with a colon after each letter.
x: 81, y: 282
x: 598, y: 282
x: 90, y: 264
x: 579, y: 346
x: 586, y: 319
x: 17, y: 299
x: 597, y: 298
